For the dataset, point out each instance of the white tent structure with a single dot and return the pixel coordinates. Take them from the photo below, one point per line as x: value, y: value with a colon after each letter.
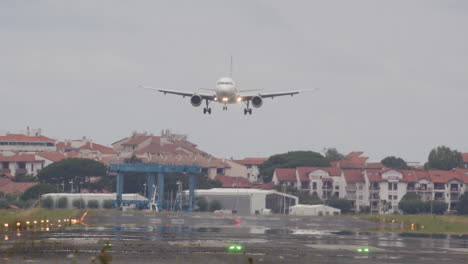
x: 317, y: 209
x: 249, y: 201
x: 99, y: 197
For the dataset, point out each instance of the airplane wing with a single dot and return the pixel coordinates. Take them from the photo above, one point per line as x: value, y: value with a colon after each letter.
x: 273, y: 95
x: 183, y: 94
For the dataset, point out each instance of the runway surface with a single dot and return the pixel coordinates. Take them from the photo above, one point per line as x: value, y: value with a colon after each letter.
x: 145, y: 237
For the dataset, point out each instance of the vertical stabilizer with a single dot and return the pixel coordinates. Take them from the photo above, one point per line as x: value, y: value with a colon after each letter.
x: 230, y: 68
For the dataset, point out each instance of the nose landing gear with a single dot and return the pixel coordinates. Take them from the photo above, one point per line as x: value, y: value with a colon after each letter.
x: 225, y: 108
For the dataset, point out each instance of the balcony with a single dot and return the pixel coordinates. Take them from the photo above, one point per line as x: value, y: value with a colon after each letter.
x: 424, y: 189
x: 351, y: 197
x: 374, y: 198
x: 350, y: 188
x: 4, y: 171
x: 327, y: 188
x: 455, y: 190
x: 410, y: 189
x: 21, y: 171
x: 439, y: 188
x: 374, y: 189
x: 439, y: 199
x: 454, y: 197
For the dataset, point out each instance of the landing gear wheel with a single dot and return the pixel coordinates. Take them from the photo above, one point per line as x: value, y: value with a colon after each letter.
x: 209, y: 111
x: 250, y: 111
x: 245, y: 111
x: 204, y: 110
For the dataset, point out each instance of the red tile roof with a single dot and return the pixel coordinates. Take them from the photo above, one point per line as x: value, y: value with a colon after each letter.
x: 420, y: 175
x: 347, y: 164
x: 18, y: 158
x: 284, y: 174
x: 353, y: 176
x: 24, y: 138
x: 374, y: 175
x: 52, y: 156
x: 8, y: 186
x: 463, y: 174
x: 374, y: 165
x: 304, y: 171
x: 63, y: 145
x: 355, y: 157
x: 138, y: 139
x: 233, y: 182
x: 267, y: 186
x: 441, y: 176
x: 98, y: 147
x: 251, y: 161
x: 465, y: 157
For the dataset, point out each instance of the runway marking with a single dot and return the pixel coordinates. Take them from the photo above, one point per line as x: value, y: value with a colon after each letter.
x: 155, y: 221
x: 177, y: 221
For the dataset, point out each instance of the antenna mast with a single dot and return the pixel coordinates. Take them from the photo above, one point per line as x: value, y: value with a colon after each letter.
x: 230, y: 69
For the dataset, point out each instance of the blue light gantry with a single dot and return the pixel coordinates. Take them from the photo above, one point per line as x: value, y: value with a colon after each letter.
x: 152, y: 170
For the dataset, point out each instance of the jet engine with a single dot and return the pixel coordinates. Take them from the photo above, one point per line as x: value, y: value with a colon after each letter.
x: 257, y: 101
x: 196, y: 100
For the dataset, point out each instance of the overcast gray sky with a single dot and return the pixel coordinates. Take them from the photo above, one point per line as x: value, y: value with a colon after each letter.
x: 393, y: 76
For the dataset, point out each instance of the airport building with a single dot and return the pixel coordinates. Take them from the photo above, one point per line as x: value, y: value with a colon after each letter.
x: 249, y: 201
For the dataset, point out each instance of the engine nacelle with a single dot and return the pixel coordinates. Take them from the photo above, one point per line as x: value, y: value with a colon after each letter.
x: 196, y: 100
x: 257, y: 101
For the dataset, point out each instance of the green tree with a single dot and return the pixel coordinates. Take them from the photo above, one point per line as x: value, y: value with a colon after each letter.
x: 47, y: 202
x: 395, y: 163
x: 331, y: 154
x: 202, y: 204
x: 215, y: 205
x: 343, y: 204
x: 385, y: 206
x: 410, y: 196
x: 438, y: 207
x: 62, y: 202
x: 443, y: 158
x: 462, y: 205
x: 37, y: 190
x: 291, y: 160
x: 24, y: 178
x: 411, y: 206
x: 75, y: 170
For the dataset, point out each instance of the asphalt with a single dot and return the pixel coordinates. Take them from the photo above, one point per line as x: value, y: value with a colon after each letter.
x: 145, y: 237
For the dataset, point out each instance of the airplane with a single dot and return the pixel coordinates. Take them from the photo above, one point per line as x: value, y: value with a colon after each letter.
x: 226, y: 92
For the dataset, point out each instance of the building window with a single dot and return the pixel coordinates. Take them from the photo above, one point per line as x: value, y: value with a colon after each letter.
x: 389, y: 197
x: 360, y: 197
x: 395, y: 197
x: 392, y: 186
x: 314, y: 186
x: 360, y: 187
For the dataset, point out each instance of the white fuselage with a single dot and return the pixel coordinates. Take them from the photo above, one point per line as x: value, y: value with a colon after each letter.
x: 226, y: 91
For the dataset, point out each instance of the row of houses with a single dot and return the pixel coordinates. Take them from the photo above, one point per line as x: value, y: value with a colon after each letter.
x: 369, y: 188
x: 29, y: 151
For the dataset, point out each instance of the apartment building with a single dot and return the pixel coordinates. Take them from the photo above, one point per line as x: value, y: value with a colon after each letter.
x: 373, y: 188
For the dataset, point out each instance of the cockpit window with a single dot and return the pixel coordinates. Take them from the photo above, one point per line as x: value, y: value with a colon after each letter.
x: 220, y: 83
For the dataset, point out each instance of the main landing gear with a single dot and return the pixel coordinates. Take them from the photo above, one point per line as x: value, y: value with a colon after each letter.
x: 207, y: 109
x: 247, y: 110
x: 225, y: 108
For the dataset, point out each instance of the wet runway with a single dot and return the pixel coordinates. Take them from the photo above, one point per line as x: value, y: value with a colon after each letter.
x: 143, y: 237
